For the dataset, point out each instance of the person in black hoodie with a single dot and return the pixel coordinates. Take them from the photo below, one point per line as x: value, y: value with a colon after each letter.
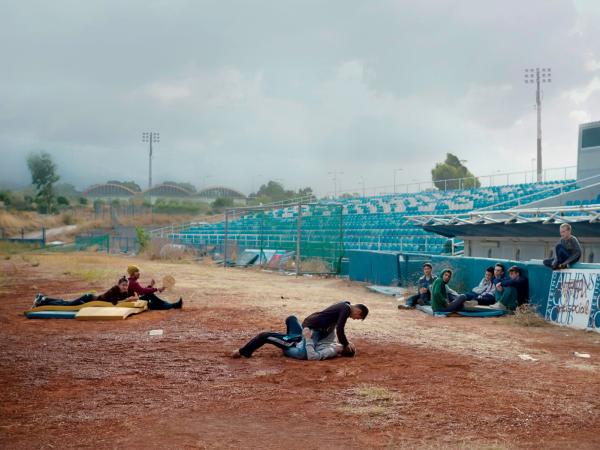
x: 321, y: 324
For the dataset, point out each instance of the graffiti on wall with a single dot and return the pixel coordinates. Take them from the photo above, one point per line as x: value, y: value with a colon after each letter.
x: 574, y: 298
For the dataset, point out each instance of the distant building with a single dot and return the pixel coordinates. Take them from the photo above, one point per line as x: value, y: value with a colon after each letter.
x: 113, y: 191
x: 588, y: 150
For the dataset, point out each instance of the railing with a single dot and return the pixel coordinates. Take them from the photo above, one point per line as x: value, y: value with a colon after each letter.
x: 494, y: 179
x: 562, y: 187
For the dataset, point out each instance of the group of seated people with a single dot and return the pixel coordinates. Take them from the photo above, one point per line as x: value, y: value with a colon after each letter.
x: 126, y: 289
x: 494, y: 290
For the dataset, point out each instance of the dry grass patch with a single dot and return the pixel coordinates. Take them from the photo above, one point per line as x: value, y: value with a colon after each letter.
x: 526, y: 315
x: 376, y: 406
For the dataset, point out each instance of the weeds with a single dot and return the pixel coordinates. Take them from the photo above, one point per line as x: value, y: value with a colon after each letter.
x: 526, y: 315
x: 377, y: 406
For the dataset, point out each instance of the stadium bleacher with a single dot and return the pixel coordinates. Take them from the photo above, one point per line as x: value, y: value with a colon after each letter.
x: 370, y: 223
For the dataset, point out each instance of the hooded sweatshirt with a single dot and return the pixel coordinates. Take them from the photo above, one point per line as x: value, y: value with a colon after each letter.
x: 439, y: 293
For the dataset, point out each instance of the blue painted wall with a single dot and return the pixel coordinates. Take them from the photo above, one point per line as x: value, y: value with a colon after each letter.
x: 380, y: 268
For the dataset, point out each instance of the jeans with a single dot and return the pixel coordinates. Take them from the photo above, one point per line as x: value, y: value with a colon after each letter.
x: 561, y: 254
x: 156, y: 303
x: 483, y: 299
x: 60, y: 302
x: 455, y: 303
x: 421, y: 299
x: 285, y: 341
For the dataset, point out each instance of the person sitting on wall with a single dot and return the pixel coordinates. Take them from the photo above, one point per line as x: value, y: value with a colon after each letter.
x: 423, y: 296
x: 148, y: 293
x: 567, y: 252
x: 484, y: 292
x: 513, y: 291
x: 114, y: 295
x: 444, y: 299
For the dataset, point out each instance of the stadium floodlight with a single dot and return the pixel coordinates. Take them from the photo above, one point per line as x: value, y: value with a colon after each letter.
x: 538, y: 76
x: 335, y: 178
x: 152, y: 137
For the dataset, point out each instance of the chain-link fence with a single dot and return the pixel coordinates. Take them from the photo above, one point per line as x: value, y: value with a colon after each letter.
x: 302, y: 238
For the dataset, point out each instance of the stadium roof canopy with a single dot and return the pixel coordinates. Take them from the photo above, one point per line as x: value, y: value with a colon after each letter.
x: 540, y: 222
x: 109, y: 190
x: 168, y: 190
x: 220, y: 192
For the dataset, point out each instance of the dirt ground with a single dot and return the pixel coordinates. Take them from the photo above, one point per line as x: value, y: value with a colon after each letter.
x: 416, y: 382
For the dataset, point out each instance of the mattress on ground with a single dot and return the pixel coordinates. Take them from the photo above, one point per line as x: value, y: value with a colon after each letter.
x: 112, y: 313
x: 475, y: 311
x: 487, y: 313
x: 427, y: 310
x: 387, y: 290
x: 50, y: 314
x: 94, y: 304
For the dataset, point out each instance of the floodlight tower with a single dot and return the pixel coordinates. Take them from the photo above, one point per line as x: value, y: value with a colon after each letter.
x: 152, y: 137
x: 538, y: 76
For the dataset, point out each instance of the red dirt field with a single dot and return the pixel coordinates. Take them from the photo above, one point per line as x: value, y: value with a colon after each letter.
x: 417, y: 381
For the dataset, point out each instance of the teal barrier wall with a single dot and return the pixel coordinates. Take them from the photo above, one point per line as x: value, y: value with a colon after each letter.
x: 374, y: 267
x: 364, y: 266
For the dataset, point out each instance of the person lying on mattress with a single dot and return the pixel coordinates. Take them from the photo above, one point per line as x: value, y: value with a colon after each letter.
x: 297, y: 343
x: 444, y: 299
x: 115, y: 294
x: 148, y: 293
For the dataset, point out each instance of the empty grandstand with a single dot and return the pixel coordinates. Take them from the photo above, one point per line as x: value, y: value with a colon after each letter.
x: 368, y: 223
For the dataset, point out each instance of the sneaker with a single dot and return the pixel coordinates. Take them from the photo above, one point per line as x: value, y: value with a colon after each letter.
x: 39, y: 300
x: 471, y: 303
x: 179, y: 304
x: 236, y: 354
x: 404, y: 306
x: 498, y: 305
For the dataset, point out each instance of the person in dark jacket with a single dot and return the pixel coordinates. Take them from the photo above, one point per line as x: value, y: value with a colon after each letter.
x: 519, y: 282
x: 567, y: 252
x: 296, y: 343
x: 334, y: 318
x: 114, y: 295
x: 148, y: 293
x: 423, y: 296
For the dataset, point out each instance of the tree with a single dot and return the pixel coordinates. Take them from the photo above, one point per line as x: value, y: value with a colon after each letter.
x: 221, y: 203
x: 452, y: 174
x: 62, y: 201
x: 43, y: 176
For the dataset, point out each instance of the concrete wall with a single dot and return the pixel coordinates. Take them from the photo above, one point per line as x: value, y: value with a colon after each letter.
x: 524, y: 249
x: 392, y: 268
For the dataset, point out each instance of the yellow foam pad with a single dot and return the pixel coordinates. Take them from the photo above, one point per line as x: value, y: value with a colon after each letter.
x: 112, y: 313
x: 94, y: 304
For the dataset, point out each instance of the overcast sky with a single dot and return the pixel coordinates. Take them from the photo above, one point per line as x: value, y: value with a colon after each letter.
x: 246, y: 91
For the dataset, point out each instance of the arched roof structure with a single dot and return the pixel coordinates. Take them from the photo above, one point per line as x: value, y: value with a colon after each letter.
x: 109, y: 190
x: 220, y: 192
x: 168, y: 190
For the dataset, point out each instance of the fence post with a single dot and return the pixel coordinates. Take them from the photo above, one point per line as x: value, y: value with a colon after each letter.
x: 22, y: 234
x: 299, y: 223
x: 225, y: 239
x: 43, y: 236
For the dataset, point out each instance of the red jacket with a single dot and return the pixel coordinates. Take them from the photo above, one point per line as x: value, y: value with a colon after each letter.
x: 136, y: 288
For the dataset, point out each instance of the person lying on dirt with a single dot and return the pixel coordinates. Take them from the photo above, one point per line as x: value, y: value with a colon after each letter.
x: 323, y: 323
x: 148, y: 293
x: 115, y: 294
x: 443, y: 299
x: 296, y: 343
